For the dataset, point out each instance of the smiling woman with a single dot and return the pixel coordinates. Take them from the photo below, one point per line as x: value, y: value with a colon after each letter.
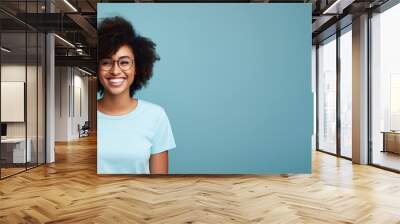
x: 133, y: 135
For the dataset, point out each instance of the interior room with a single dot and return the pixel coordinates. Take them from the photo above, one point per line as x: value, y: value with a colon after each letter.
x: 48, y: 104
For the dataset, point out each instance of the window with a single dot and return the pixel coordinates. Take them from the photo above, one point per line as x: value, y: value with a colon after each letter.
x: 346, y: 92
x: 327, y: 95
x: 385, y: 89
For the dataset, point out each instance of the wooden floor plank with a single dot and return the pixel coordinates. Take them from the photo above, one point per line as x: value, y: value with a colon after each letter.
x: 70, y: 191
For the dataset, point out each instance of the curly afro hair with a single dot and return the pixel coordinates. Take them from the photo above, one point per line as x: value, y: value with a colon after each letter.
x: 115, y: 32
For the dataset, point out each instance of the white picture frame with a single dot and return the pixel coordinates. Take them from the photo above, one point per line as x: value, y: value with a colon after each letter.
x: 12, y: 101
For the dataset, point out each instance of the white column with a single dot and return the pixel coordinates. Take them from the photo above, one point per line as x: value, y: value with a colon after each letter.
x: 50, y: 110
x: 360, y: 90
x: 50, y: 93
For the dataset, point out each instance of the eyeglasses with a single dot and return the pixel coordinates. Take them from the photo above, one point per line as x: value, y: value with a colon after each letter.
x: 124, y: 63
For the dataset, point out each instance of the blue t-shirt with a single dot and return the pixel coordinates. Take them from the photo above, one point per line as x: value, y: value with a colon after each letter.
x: 126, y: 142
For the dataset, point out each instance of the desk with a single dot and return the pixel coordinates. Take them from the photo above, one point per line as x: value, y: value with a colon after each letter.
x: 391, y: 141
x: 17, y: 150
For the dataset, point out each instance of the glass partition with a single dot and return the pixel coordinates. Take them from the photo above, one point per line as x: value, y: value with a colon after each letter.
x: 327, y: 95
x: 31, y: 100
x: 33, y: 87
x: 41, y: 86
x: 13, y: 94
x: 22, y: 90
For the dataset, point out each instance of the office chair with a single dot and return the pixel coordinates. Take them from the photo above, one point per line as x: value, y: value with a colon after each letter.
x: 84, y: 130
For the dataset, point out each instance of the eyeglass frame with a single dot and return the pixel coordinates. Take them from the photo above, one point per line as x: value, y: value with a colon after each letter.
x: 113, y: 63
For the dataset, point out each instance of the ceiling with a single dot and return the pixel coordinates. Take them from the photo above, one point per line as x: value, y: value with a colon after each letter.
x: 75, y: 21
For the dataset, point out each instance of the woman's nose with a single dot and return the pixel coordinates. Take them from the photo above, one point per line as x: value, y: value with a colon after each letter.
x: 115, y: 70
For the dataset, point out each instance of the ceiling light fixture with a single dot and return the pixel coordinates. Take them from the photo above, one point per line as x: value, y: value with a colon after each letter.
x: 70, y: 5
x: 65, y: 41
x: 338, y: 6
x: 84, y: 71
x: 5, y: 50
x: 329, y: 9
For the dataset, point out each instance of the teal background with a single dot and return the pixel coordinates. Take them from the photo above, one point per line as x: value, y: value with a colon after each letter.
x: 235, y: 81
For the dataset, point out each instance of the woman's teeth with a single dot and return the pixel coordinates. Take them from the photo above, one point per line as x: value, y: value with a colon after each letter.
x: 116, y: 81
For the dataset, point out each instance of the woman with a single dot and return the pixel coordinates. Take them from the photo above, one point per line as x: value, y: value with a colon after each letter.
x: 134, y: 135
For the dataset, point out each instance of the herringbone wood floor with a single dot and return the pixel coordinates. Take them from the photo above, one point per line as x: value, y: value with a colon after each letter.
x: 69, y: 191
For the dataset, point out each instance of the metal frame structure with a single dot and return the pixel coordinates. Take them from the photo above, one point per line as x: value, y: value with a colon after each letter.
x: 44, y: 74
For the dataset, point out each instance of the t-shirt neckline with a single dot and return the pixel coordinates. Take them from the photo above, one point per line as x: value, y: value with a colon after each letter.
x: 117, y: 117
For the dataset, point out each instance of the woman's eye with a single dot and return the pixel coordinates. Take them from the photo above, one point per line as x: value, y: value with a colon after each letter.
x: 124, y: 62
x: 105, y: 63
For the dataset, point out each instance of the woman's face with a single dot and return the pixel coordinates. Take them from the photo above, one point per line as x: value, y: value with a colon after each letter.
x: 117, y: 73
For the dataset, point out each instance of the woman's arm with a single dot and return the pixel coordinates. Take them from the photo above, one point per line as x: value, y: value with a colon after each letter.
x: 159, y: 163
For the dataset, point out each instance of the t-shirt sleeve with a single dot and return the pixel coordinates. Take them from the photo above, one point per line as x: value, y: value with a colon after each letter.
x: 163, y: 139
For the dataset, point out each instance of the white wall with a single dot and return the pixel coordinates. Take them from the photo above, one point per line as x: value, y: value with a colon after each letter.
x: 33, y: 127
x: 61, y: 103
x: 71, y: 94
x: 79, y: 110
x: 15, y: 72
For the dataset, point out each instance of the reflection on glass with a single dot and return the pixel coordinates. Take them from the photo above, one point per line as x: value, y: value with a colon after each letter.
x: 41, y: 98
x: 31, y: 101
x: 346, y: 94
x: 386, y: 89
x: 327, y: 96
x: 22, y: 90
x: 13, y: 85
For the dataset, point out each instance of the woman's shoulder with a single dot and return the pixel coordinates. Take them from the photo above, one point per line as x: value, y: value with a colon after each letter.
x: 153, y: 108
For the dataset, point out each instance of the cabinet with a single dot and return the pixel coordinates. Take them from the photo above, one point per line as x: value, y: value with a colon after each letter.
x: 391, y: 141
x: 13, y: 150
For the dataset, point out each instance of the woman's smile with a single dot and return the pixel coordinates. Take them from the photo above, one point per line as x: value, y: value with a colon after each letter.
x: 118, y: 72
x: 116, y: 81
